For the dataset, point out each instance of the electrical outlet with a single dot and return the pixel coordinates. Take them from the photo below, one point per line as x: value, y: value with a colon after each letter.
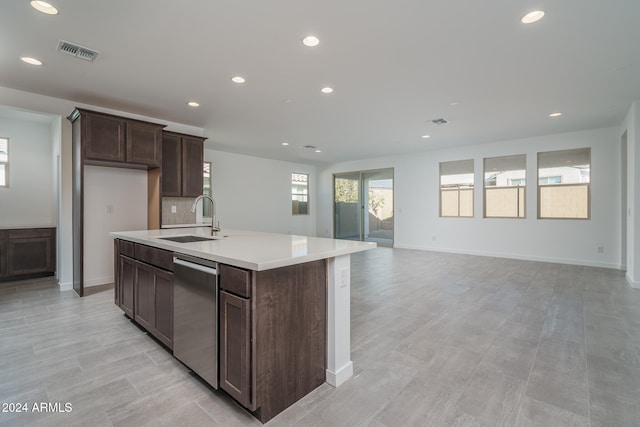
x: 174, y: 209
x: 109, y: 209
x: 600, y: 249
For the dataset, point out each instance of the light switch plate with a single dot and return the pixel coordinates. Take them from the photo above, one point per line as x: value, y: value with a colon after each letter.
x: 174, y: 209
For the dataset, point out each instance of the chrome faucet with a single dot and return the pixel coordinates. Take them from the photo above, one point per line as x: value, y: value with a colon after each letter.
x: 215, y: 225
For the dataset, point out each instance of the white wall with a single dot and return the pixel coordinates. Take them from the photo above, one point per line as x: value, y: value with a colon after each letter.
x: 30, y: 199
x: 418, y: 225
x: 114, y: 200
x: 631, y: 126
x: 254, y: 193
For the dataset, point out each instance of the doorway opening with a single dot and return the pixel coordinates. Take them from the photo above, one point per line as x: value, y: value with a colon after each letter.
x: 363, y: 206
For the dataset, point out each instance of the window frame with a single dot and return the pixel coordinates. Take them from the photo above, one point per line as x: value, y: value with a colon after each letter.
x: 458, y: 189
x: 6, y: 164
x: 206, y: 207
x: 516, y: 187
x: 561, y: 184
x: 294, y: 194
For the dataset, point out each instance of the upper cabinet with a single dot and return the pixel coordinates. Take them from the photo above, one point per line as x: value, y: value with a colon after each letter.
x: 182, y: 162
x: 118, y: 140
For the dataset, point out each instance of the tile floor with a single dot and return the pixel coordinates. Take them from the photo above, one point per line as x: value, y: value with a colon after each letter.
x: 437, y: 340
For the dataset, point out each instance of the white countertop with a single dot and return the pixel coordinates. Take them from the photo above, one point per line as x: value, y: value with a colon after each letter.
x: 248, y: 249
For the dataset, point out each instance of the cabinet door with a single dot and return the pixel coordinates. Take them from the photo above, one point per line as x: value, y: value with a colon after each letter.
x: 31, y: 252
x: 171, y: 165
x: 235, y: 351
x: 144, y: 142
x: 164, y: 307
x: 126, y: 274
x: 144, y: 300
x: 104, y: 138
x: 116, y: 272
x: 192, y: 164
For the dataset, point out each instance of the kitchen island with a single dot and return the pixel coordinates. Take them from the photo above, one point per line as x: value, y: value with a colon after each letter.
x: 284, y: 315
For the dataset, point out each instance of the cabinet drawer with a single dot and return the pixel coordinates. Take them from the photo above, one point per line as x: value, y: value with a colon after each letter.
x: 30, y: 233
x: 235, y: 280
x: 126, y: 248
x: 158, y: 257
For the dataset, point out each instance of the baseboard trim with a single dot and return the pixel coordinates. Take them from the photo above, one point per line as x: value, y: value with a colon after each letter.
x: 338, y: 378
x: 634, y: 285
x: 65, y: 286
x: 512, y: 256
x: 99, y: 281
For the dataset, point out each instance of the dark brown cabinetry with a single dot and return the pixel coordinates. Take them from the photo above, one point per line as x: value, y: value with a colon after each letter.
x: 235, y: 334
x: 27, y: 253
x: 106, y: 140
x: 116, y: 139
x: 144, y: 287
x: 154, y: 301
x: 272, y: 335
x: 182, y: 160
x: 124, y: 274
x: 3, y: 254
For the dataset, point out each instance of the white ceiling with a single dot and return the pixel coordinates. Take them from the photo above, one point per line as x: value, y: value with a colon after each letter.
x: 394, y: 65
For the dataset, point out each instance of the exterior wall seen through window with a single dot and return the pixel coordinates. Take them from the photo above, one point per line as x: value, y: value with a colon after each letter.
x: 564, y: 184
x: 456, y: 188
x: 504, y: 186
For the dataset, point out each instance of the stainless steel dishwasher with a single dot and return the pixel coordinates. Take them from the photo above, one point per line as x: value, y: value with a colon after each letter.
x: 195, y: 315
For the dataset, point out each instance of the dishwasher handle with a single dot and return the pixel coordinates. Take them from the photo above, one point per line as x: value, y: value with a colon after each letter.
x: 194, y: 266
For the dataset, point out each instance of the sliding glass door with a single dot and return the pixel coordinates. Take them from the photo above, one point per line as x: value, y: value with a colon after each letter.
x: 363, y: 206
x: 347, y: 207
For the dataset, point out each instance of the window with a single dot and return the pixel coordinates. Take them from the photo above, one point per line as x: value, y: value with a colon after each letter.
x: 456, y: 188
x: 504, y: 186
x: 564, y: 180
x: 299, y: 194
x: 4, y: 162
x: 206, y: 188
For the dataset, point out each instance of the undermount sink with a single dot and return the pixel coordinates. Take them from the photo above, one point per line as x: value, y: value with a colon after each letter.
x: 189, y: 238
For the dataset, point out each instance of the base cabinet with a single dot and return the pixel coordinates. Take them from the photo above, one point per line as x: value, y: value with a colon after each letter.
x: 235, y: 347
x: 144, y: 287
x: 273, y: 327
x: 127, y: 276
x: 27, y: 253
x: 154, y: 301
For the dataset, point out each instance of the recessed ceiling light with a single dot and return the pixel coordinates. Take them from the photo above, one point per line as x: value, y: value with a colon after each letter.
x: 31, y: 61
x: 284, y: 144
x: 311, y: 41
x: 426, y: 136
x: 326, y: 90
x: 558, y: 114
x: 532, y: 17
x: 44, y: 7
x: 318, y: 151
x: 454, y: 103
x: 238, y: 79
x: 193, y: 104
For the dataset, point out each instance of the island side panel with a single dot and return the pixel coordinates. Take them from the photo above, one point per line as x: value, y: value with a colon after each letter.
x: 339, y: 364
x: 291, y: 333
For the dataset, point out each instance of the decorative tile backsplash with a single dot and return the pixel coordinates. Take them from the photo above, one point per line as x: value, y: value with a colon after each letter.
x: 183, y: 213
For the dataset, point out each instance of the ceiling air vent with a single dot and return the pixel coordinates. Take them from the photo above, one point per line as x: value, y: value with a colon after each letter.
x: 439, y: 121
x: 77, y: 51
